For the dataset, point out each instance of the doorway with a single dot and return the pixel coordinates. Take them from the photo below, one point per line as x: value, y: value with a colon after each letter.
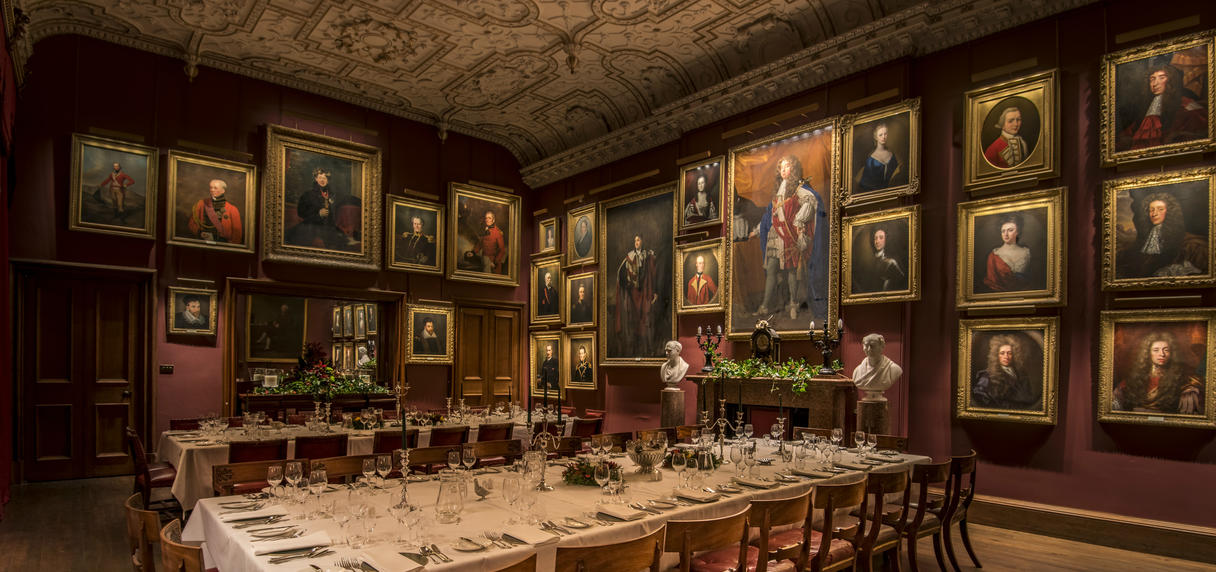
x: 82, y: 357
x: 488, y: 353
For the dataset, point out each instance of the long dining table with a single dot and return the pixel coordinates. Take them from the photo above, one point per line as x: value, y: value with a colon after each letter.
x: 234, y: 550
x: 193, y: 454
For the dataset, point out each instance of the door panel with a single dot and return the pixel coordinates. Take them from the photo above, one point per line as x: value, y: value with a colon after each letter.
x: 504, y: 364
x: 487, y: 357
x: 53, y: 427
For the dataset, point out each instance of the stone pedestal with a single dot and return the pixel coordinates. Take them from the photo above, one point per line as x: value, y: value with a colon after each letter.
x: 872, y: 417
x: 672, y: 407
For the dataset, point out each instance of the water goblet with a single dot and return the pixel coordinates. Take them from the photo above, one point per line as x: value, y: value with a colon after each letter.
x: 468, y: 457
x: 872, y: 442
x: 736, y: 457
x: 601, y: 474
x: 454, y: 459
x: 274, y: 476
x: 369, y: 469
x: 616, y: 480
x: 293, y: 472
x: 384, y: 466
x: 678, y: 464
x: 747, y: 431
x: 837, y: 435
x: 317, y: 481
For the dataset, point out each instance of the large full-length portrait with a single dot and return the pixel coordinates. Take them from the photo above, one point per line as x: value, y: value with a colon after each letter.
x: 547, y: 235
x: 275, y: 327
x: 581, y: 235
x: 1012, y: 132
x: 416, y: 236
x: 637, y: 313
x: 880, y: 258
x: 1011, y: 250
x: 211, y: 202
x: 113, y: 187
x: 431, y: 334
x: 580, y: 299
x: 320, y: 200
x: 483, y: 229
x: 699, y: 286
x: 191, y: 311
x: 1007, y: 369
x: 882, y: 154
x: 1157, y: 100
x: 578, y: 361
x: 546, y: 291
x: 545, y: 365
x: 701, y: 194
x: 784, y: 230
x: 1155, y: 367
x: 1158, y: 230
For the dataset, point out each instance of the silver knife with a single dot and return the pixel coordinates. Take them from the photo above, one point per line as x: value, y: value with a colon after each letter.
x: 417, y: 558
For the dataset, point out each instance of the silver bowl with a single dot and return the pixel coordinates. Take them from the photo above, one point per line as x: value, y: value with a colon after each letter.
x: 647, y: 460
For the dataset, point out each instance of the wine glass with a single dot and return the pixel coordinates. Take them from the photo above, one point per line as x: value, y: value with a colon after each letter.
x: 660, y: 440
x: 736, y: 457
x: 787, y: 456
x: 468, y: 457
x: 837, y: 435
x: 454, y: 459
x: 706, y: 464
x: 749, y: 459
x: 747, y: 431
x: 872, y: 442
x: 512, y: 487
x: 384, y: 466
x: 859, y: 440
x: 369, y: 469
x: 274, y: 476
x: 293, y: 473
x: 317, y: 481
x: 601, y: 475
x: 616, y: 480
x: 678, y: 464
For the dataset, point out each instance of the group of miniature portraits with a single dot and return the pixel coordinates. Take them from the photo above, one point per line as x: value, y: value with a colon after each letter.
x: 560, y: 361
x: 354, y: 328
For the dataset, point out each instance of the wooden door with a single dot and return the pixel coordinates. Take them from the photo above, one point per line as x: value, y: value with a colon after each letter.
x: 82, y: 365
x: 488, y: 353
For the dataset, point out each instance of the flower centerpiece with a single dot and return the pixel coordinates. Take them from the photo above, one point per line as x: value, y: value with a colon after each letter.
x: 361, y: 422
x: 581, y: 472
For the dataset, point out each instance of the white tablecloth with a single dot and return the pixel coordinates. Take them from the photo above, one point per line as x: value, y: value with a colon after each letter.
x: 232, y: 551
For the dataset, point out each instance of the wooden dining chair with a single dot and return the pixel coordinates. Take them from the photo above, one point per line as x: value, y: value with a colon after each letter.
x: 321, y: 446
x: 237, y: 421
x: 175, y: 555
x: 832, y: 545
x: 495, y: 431
x: 183, y: 424
x: 143, y: 531
x: 893, y: 442
x: 148, y: 475
x: 879, y: 538
x: 779, y: 554
x: 629, y: 555
x: 586, y: 427
x: 526, y: 565
x: 241, y: 478
x: 567, y: 411
x: 425, y: 460
x: 618, y: 439
x: 684, y: 432
x: 246, y: 451
x: 918, y: 519
x: 442, y: 436
x: 713, y: 544
x: 389, y: 440
x: 296, y: 418
x: 960, y: 490
x: 551, y: 427
x: 497, y: 453
x: 590, y: 413
x: 343, y: 469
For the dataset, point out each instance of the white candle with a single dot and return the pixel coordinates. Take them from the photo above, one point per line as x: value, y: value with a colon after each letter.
x: 270, y: 381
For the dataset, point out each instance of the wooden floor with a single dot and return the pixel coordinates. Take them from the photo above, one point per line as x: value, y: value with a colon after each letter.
x: 78, y: 525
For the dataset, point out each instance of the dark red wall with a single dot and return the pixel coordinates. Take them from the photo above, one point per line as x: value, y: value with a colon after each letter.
x: 71, y: 88
x: 1131, y: 470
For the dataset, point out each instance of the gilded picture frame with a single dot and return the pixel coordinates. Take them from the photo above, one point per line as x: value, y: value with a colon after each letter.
x: 1181, y: 71
x: 548, y: 235
x: 373, y: 318
x: 1177, y: 251
x: 191, y: 311
x: 1027, y: 270
x: 633, y: 329
x: 1012, y: 132
x: 1008, y: 369
x: 546, y: 304
x: 436, y: 346
x: 575, y: 373
x: 881, y: 154
x: 348, y: 356
x: 336, y: 325
x: 468, y: 259
x: 106, y: 201
x: 703, y: 175
x: 581, y: 236
x: 880, y: 257
x: 1131, y: 344
x: 754, y: 172
x: 191, y: 219
x: 360, y: 321
x: 348, y: 321
x: 417, y: 238
x: 309, y: 174
x: 540, y: 363
x: 275, y: 328
x: 336, y: 355
x: 580, y: 312
x: 702, y: 292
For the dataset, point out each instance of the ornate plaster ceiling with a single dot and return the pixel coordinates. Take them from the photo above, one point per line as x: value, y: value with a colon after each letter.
x: 566, y: 85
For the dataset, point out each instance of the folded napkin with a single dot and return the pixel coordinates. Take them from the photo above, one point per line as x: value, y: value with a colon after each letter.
x: 884, y: 458
x: 853, y: 466
x: 699, y: 496
x: 621, y: 512
x: 528, y: 534
x: 756, y: 483
x: 273, y: 510
x: 813, y: 474
x: 319, y: 538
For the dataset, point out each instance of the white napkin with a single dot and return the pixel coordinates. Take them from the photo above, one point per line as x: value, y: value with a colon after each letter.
x: 884, y: 458
x: 527, y: 534
x: 699, y: 496
x: 756, y: 483
x: 854, y: 466
x: 319, y: 538
x: 814, y: 474
x: 620, y: 511
x: 273, y: 510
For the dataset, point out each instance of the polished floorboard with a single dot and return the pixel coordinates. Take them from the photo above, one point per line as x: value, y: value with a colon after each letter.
x: 78, y: 525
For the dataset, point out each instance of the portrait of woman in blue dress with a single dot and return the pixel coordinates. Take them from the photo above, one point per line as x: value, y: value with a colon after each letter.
x: 881, y: 166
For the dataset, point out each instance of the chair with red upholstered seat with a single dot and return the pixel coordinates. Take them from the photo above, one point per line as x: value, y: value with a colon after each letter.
x: 246, y: 451
x: 629, y: 555
x: 714, y: 544
x: 183, y: 424
x: 241, y: 478
x: 769, y: 513
x: 586, y: 427
x: 495, y: 431
x: 589, y: 413
x: 143, y: 530
x: 387, y: 441
x: 825, y: 552
x: 567, y: 411
x: 878, y: 537
x: 496, y: 453
x: 918, y: 520
x: 444, y: 436
x: 320, y: 446
x: 148, y: 476
x: 960, y: 490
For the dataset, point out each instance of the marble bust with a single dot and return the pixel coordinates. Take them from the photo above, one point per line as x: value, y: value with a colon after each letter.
x: 672, y: 371
x: 877, y: 373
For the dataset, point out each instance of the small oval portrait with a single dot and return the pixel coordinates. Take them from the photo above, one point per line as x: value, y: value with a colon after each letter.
x: 582, y: 236
x: 1010, y: 132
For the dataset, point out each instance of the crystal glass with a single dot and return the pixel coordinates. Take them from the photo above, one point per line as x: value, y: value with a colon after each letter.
x: 468, y: 457
x: 747, y: 431
x: 369, y: 469
x: 601, y: 475
x: 274, y: 477
x: 450, y: 501
x: 294, y: 471
x: 678, y: 464
x: 859, y: 440
x: 872, y: 442
x: 454, y: 459
x: 837, y: 435
x: 384, y: 465
x: 616, y: 481
x: 317, y: 481
x: 736, y: 457
x: 512, y: 487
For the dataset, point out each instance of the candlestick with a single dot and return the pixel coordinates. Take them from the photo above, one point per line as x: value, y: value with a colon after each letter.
x: 826, y: 344
x: 709, y: 346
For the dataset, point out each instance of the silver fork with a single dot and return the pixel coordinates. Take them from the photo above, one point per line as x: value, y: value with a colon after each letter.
x: 348, y: 563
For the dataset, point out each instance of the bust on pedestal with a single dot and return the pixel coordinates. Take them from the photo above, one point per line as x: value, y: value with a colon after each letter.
x: 876, y: 374
x: 672, y: 373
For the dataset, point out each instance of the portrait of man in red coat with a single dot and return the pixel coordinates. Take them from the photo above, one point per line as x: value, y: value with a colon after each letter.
x: 117, y: 182
x: 701, y: 287
x: 214, y: 219
x: 1164, y: 112
x: 491, y: 246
